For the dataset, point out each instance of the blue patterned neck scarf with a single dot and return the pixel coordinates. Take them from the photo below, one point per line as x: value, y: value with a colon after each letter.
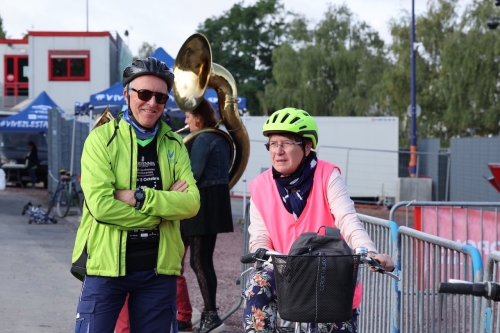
x: 294, y: 189
x: 142, y: 134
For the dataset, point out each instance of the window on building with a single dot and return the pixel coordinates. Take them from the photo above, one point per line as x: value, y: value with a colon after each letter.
x: 69, y: 65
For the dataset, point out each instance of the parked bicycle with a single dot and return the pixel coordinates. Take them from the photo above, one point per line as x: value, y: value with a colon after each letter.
x: 489, y: 290
x: 299, y: 276
x: 68, y: 194
x: 37, y: 215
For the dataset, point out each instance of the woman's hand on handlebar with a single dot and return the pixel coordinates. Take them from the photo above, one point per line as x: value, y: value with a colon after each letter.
x: 260, y: 254
x: 385, y: 261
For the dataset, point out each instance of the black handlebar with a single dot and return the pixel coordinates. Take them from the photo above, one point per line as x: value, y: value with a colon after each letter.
x: 247, y: 258
x: 488, y: 290
x: 373, y: 263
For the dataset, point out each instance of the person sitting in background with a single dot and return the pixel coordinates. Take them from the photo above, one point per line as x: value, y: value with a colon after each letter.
x: 32, y: 162
x: 299, y: 193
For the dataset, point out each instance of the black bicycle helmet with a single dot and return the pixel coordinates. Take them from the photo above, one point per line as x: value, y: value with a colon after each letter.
x: 148, y: 66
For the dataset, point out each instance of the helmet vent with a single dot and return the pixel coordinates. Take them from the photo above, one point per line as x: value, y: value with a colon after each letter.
x: 294, y: 120
x: 285, y: 118
x: 274, y: 118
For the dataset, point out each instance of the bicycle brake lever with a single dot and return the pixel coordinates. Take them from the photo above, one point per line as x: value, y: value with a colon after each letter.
x: 374, y: 263
x: 392, y: 275
x: 246, y: 271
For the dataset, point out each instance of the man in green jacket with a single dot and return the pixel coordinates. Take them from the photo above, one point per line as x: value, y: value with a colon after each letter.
x: 137, y: 181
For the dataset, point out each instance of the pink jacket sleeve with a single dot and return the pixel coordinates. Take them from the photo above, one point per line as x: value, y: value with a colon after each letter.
x: 346, y: 218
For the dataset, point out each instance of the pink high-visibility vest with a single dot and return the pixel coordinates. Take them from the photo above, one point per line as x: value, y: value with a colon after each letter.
x: 281, y: 226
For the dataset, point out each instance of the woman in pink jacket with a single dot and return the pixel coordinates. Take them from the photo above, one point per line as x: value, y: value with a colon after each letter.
x: 300, y: 193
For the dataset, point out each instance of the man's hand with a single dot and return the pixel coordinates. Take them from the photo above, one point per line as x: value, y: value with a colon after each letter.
x: 179, y: 186
x: 127, y: 196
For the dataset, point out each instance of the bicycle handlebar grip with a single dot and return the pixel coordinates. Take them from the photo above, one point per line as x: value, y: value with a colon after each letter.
x: 476, y: 289
x: 374, y: 263
x: 247, y: 258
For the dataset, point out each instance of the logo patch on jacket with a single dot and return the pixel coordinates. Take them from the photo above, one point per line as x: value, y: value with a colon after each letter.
x: 171, y: 156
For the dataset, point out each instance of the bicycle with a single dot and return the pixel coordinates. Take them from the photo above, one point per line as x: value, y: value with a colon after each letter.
x: 489, y: 290
x: 346, y: 271
x: 66, y: 195
x: 37, y: 215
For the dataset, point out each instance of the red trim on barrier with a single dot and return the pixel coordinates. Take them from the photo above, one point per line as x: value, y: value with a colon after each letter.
x: 417, y: 218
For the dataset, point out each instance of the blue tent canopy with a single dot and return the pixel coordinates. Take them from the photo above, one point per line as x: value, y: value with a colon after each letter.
x: 110, y: 96
x: 34, y: 118
x: 162, y: 55
x: 114, y: 96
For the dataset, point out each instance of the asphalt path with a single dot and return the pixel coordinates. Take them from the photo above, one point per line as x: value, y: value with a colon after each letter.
x: 37, y: 291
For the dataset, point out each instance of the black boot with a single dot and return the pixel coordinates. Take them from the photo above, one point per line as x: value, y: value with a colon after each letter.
x: 210, y: 322
x: 184, y: 326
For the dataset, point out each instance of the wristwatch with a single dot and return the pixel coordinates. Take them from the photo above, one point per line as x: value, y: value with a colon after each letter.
x: 139, y: 196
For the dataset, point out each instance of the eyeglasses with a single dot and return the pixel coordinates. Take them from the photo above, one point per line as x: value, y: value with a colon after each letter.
x: 145, y: 95
x: 287, y: 145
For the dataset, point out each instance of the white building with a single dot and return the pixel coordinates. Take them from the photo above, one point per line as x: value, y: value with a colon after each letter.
x: 364, y: 148
x: 68, y: 66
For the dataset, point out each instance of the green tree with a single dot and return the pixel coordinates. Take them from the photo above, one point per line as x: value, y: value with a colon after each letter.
x: 457, y: 66
x: 3, y: 33
x: 242, y: 40
x: 146, y: 50
x: 469, y: 80
x: 333, y: 69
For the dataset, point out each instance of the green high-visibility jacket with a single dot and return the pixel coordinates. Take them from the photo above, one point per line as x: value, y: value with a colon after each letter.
x: 109, y: 162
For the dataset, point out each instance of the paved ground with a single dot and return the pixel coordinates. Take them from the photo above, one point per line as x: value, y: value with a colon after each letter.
x: 38, y: 293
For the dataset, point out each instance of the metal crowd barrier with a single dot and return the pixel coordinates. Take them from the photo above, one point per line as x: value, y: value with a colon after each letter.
x: 425, y: 260
x: 490, y: 320
x: 413, y: 304
x: 378, y: 290
x: 481, y: 207
x: 243, y: 280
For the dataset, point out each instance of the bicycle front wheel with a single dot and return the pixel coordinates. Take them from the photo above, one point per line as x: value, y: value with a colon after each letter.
x: 63, y: 203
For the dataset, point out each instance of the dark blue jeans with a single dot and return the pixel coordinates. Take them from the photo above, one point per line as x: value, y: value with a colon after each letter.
x: 261, y: 307
x: 32, y: 173
x: 152, y: 306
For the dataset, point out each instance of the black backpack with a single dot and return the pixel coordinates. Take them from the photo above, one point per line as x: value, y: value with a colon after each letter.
x: 311, y: 243
x: 316, y: 281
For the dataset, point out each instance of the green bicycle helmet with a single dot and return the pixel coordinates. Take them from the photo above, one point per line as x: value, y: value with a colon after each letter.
x: 291, y: 120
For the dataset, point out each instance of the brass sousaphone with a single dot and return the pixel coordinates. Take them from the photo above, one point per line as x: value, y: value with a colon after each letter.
x: 194, y: 73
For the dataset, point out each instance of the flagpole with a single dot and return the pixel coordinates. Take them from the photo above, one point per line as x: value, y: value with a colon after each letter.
x: 87, y: 1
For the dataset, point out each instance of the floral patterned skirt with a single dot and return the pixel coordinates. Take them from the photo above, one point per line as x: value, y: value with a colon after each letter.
x: 261, y: 307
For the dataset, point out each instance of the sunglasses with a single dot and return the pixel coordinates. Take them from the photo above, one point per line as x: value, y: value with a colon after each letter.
x: 145, y: 95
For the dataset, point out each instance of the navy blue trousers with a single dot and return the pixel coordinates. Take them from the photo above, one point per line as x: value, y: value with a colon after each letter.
x: 152, y: 306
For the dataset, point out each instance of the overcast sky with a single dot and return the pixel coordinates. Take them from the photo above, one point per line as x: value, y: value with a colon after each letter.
x: 168, y: 23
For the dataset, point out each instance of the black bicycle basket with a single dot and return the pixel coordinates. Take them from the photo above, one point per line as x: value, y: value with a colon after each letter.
x: 316, y: 288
